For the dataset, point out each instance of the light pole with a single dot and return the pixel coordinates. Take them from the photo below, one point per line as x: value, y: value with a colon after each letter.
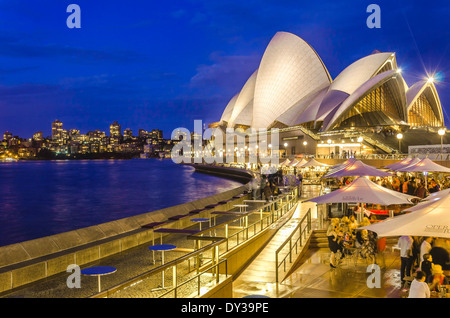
x: 285, y: 149
x: 360, y: 140
x: 304, y: 144
x: 441, y: 133
x: 399, y: 137
x: 329, y: 147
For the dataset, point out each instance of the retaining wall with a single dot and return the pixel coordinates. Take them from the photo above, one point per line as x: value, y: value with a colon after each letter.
x: 29, y: 261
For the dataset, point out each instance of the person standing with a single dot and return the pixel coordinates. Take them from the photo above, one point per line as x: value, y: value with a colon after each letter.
x: 332, y: 235
x: 425, y: 248
x: 300, y: 184
x: 405, y: 244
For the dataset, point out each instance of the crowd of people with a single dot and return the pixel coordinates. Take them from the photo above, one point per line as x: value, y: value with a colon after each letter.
x: 426, y: 259
x: 345, y: 238
x: 267, y: 187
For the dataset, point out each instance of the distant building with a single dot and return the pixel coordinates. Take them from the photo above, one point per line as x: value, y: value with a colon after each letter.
x: 115, y: 130
x: 127, y: 134
x: 57, y: 130
x: 7, y: 136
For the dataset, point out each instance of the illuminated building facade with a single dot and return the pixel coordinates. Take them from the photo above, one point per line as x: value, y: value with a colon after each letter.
x: 368, y: 101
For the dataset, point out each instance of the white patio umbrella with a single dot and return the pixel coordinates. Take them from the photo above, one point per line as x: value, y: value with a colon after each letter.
x: 362, y: 190
x: 437, y: 195
x: 425, y: 165
x: 356, y: 168
x: 401, y: 164
x: 430, y: 218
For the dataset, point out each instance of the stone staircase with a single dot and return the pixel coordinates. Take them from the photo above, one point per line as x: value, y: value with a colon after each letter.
x: 319, y: 239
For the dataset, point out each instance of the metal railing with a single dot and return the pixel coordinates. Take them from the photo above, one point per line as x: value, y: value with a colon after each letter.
x: 224, y: 236
x: 293, y: 243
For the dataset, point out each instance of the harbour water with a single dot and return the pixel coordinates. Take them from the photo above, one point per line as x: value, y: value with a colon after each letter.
x: 41, y: 198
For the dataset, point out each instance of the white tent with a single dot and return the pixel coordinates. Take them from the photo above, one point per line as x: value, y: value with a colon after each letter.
x: 293, y: 162
x: 299, y: 163
x: 403, y: 163
x: 356, y: 168
x: 285, y: 163
x: 430, y: 218
x: 311, y: 163
x: 424, y: 165
x: 362, y: 190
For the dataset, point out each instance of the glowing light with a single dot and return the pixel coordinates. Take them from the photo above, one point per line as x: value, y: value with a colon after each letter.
x: 399, y: 136
x: 441, y: 132
x: 430, y: 79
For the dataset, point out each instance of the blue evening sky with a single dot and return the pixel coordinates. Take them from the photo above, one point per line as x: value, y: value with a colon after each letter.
x: 162, y: 64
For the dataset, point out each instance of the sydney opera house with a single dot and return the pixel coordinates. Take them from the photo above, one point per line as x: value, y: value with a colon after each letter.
x: 363, y: 109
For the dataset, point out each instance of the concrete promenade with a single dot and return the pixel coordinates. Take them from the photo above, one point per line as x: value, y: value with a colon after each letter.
x: 311, y: 278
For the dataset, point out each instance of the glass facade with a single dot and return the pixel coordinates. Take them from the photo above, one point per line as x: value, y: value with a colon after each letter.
x: 378, y: 108
x: 421, y: 114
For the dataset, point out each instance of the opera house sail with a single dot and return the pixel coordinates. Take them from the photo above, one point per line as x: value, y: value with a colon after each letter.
x: 292, y: 88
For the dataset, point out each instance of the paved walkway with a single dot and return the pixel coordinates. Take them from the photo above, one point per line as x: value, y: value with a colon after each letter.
x: 313, y: 277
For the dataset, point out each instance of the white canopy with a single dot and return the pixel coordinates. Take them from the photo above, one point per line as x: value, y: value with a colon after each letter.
x: 299, y: 163
x: 403, y: 163
x: 311, y: 163
x: 430, y: 218
x: 285, y: 163
x: 355, y: 168
x: 362, y: 190
x: 424, y: 165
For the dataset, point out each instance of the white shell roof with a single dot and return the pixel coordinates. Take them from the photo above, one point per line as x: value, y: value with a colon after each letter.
x: 229, y: 109
x: 360, y: 72
x: 290, y: 70
x: 292, y: 86
x: 428, y: 88
x: 358, y: 94
x: 245, y: 96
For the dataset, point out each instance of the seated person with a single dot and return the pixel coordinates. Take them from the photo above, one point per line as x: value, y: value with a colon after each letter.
x: 427, y: 264
x: 419, y: 289
x: 437, y: 279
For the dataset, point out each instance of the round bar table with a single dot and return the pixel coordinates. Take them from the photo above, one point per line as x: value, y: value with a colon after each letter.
x: 242, y: 207
x: 200, y: 221
x: 161, y: 248
x: 98, y: 271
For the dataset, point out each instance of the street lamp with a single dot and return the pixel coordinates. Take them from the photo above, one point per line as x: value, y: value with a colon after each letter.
x: 441, y: 133
x: 360, y: 140
x: 329, y: 147
x: 285, y: 149
x: 400, y: 137
x: 304, y: 144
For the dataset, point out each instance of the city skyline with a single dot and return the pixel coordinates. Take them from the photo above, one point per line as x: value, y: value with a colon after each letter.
x: 166, y: 64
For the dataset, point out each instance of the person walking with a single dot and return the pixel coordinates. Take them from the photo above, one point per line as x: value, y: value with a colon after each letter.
x: 405, y: 244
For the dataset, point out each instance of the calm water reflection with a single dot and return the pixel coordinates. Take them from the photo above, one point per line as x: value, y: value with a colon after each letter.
x: 48, y: 197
